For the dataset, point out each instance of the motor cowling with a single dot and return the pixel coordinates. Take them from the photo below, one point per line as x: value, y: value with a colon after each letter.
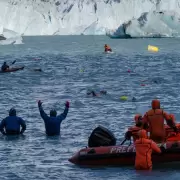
x: 101, y: 136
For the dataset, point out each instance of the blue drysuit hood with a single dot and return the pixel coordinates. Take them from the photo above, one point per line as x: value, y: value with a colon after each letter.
x: 12, y: 112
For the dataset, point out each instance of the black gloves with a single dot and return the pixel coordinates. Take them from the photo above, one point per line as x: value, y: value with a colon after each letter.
x: 39, y: 103
x: 175, y: 129
x: 162, y: 149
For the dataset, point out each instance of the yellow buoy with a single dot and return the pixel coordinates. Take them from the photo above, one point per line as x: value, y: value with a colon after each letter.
x: 153, y: 48
x: 124, y: 98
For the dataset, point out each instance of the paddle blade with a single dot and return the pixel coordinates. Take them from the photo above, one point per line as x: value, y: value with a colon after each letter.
x: 13, y: 62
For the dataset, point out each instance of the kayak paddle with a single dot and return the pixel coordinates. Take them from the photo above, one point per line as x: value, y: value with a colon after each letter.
x: 13, y: 62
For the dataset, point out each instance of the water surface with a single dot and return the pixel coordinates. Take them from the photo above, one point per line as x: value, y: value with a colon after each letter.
x: 73, y: 65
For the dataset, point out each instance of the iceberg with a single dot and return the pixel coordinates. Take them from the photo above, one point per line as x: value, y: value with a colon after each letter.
x: 10, y: 37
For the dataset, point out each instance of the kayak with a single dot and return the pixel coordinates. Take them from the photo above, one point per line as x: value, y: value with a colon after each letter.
x: 12, y: 69
x: 103, y: 151
x: 108, y: 52
x: 122, y: 155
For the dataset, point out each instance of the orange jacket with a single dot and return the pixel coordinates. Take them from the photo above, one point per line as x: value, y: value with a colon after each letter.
x: 107, y: 48
x: 134, y: 132
x: 144, y: 148
x: 155, y: 119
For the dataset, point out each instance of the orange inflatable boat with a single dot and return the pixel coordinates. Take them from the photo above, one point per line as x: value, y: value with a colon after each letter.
x: 109, y: 154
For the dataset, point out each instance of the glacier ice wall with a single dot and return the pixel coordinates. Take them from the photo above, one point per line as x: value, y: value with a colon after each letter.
x: 150, y: 24
x: 64, y: 17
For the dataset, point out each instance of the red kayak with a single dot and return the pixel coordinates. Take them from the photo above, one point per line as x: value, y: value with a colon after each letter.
x: 103, y: 151
x: 13, y: 69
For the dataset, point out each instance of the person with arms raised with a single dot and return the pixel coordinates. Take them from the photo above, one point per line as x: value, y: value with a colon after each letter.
x: 53, y: 122
x: 11, y: 124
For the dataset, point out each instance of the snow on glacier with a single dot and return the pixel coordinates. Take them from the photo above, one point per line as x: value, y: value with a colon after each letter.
x: 68, y: 17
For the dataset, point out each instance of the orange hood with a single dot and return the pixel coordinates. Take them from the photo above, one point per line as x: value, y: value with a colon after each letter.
x: 155, y: 104
x: 137, y: 118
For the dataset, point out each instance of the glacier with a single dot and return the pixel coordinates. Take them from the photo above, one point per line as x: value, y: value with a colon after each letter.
x: 115, y: 18
x: 153, y: 25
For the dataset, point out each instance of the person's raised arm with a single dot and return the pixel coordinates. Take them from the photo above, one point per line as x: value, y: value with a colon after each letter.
x: 62, y: 116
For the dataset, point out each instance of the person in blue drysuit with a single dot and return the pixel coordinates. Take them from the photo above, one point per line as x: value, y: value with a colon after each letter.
x: 53, y: 122
x: 11, y: 124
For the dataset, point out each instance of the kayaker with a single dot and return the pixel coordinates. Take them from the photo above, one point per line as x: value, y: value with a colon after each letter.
x: 155, y: 120
x: 4, y: 67
x: 53, y: 122
x: 93, y: 93
x: 11, y: 124
x: 144, y: 148
x: 107, y: 48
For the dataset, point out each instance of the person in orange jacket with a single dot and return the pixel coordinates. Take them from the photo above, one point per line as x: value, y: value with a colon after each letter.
x: 172, y: 117
x: 144, y: 148
x: 107, y: 48
x: 170, y: 134
x: 155, y: 120
x: 133, y: 131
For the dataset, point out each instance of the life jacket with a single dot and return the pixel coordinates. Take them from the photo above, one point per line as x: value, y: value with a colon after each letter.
x: 107, y: 48
x: 144, y: 149
x: 155, y: 120
x: 134, y: 132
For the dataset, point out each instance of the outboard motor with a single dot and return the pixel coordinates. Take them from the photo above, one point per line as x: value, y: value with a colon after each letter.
x: 101, y: 137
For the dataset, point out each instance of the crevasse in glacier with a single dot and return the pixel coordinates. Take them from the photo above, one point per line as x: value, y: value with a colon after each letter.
x: 68, y: 17
x: 152, y: 24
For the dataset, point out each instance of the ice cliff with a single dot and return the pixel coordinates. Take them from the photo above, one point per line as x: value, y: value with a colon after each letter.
x: 73, y: 17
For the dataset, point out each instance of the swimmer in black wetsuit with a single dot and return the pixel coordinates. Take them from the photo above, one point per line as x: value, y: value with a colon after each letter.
x: 95, y: 94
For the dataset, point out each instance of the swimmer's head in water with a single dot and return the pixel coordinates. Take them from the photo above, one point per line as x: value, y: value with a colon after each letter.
x: 91, y: 93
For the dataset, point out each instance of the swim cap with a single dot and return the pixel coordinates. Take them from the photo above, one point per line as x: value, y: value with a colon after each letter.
x: 142, y: 133
x: 155, y: 104
x: 12, y: 112
x: 53, y: 113
x: 124, y: 98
